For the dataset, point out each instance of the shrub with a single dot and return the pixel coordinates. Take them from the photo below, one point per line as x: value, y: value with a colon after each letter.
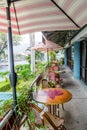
x: 7, y: 105
x: 5, y: 86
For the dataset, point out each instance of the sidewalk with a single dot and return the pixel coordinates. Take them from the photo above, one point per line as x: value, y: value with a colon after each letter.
x: 75, y: 113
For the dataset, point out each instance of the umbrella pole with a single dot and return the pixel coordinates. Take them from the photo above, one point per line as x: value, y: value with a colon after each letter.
x: 13, y: 75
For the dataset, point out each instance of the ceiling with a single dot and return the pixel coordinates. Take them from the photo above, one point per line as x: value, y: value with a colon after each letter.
x: 59, y: 37
x: 48, y: 16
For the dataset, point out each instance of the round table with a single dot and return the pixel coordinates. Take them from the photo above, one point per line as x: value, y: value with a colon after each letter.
x: 52, y: 96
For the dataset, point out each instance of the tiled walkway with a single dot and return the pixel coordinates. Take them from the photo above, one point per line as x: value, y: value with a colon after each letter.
x: 75, y: 113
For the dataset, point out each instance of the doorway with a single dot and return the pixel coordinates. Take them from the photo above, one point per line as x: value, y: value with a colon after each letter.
x: 83, y: 62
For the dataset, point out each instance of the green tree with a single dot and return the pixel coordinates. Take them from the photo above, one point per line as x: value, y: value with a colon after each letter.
x: 38, y: 55
x: 3, y: 42
x: 52, y: 55
x: 28, y: 58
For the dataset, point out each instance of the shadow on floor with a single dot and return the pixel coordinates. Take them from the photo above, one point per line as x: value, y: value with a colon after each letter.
x: 75, y: 113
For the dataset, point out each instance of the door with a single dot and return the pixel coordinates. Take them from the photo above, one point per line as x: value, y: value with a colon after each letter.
x: 69, y: 57
x: 83, y: 63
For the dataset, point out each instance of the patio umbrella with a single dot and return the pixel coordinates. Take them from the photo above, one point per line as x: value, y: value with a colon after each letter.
x: 13, y: 75
x: 47, y: 47
x: 44, y: 15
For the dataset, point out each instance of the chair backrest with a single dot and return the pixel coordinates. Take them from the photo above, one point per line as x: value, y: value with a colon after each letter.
x: 44, y: 83
x: 38, y: 81
x: 48, y: 117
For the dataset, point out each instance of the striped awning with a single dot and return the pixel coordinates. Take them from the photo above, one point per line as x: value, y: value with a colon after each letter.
x: 44, y: 15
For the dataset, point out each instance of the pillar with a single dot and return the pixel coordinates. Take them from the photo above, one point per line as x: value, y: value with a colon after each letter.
x: 65, y: 56
x: 32, y: 43
x: 77, y: 60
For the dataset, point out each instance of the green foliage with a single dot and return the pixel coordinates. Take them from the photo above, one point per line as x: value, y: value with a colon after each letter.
x: 22, y: 85
x: 51, y: 84
x: 5, y: 86
x: 22, y: 67
x: 23, y: 101
x: 16, y: 39
x: 3, y: 43
x: 23, y: 107
x: 25, y: 78
x: 7, y: 105
x: 28, y: 58
x: 31, y: 116
x: 4, y: 73
x: 24, y: 72
x: 3, y: 37
x: 61, y: 61
x: 38, y: 55
x: 52, y: 55
x: 40, y: 67
x: 43, y: 127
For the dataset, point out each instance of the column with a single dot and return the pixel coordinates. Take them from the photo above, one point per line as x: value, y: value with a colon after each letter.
x: 65, y: 56
x: 32, y: 43
x: 77, y: 60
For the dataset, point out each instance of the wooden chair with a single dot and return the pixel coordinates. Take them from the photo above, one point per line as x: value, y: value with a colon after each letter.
x: 39, y: 79
x: 44, y: 83
x: 10, y: 123
x: 7, y: 123
x: 52, y: 122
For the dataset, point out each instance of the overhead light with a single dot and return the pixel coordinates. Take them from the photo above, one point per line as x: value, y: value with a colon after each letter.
x: 3, y: 3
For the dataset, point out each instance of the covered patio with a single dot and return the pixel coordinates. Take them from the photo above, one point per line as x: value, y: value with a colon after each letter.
x: 52, y: 18
x: 74, y: 112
